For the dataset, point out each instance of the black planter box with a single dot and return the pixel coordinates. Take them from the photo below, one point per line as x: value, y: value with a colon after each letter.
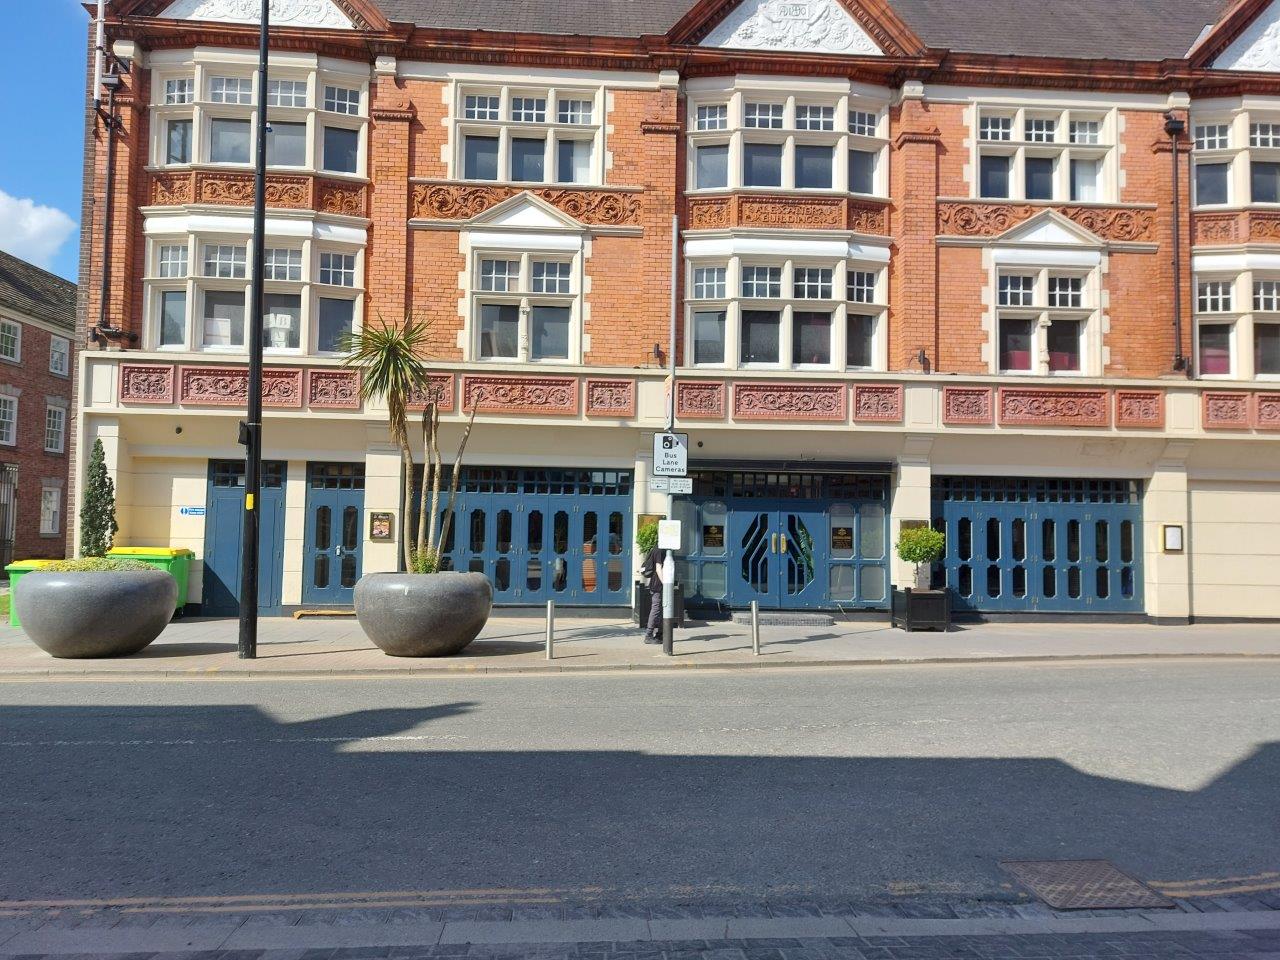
x: 644, y: 599
x: 921, y: 609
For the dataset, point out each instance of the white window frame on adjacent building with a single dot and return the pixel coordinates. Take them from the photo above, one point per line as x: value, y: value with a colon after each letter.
x: 1077, y: 145
x: 50, y: 510
x: 8, y: 420
x: 741, y: 131
x: 1033, y: 297
x: 55, y: 428
x: 798, y: 290
x: 316, y: 95
x: 327, y: 280
x: 59, y: 355
x: 10, y: 340
x: 496, y: 129
x: 509, y: 288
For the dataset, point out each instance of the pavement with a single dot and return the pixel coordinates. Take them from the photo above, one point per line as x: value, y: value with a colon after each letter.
x: 197, y: 647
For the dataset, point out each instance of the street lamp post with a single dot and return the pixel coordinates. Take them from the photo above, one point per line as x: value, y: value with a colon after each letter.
x: 251, y: 428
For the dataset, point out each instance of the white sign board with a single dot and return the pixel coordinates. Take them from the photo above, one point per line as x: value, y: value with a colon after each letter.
x: 659, y: 485
x: 670, y: 454
x: 668, y: 534
x: 680, y: 485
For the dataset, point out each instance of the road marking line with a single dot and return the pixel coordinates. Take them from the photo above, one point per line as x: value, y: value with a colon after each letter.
x: 224, y: 742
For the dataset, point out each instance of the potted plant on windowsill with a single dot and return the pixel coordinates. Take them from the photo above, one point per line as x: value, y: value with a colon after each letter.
x: 96, y: 606
x: 425, y: 611
x: 918, y: 607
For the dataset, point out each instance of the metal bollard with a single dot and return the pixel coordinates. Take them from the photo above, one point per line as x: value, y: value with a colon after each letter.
x: 755, y: 627
x: 551, y: 629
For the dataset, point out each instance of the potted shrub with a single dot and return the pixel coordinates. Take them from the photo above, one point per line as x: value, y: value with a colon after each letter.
x: 95, y: 606
x: 918, y: 607
x: 424, y: 611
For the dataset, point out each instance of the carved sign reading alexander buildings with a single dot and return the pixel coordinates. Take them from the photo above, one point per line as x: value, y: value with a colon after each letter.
x: 814, y: 213
x: 295, y: 192
x: 978, y: 219
x: 452, y: 201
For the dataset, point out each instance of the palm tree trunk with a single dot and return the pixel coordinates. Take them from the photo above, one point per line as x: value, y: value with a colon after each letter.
x: 436, y: 477
x: 406, y: 533
x: 424, y: 518
x: 457, y: 474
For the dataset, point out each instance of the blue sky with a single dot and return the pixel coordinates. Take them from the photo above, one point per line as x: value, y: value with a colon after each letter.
x: 43, y: 50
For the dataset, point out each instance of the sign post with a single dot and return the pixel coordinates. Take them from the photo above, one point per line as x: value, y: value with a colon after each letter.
x: 669, y: 535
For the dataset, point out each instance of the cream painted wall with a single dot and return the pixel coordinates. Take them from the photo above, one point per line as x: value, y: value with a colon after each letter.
x: 1235, y: 548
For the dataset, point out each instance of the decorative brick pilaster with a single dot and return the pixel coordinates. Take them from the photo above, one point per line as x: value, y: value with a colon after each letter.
x: 913, y: 278
x: 386, y: 260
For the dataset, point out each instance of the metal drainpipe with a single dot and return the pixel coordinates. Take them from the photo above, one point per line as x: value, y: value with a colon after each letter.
x: 1174, y: 128
x: 106, y: 218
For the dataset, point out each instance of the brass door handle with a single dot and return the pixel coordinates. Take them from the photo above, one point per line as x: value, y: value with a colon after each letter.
x: 784, y: 542
x: 773, y: 543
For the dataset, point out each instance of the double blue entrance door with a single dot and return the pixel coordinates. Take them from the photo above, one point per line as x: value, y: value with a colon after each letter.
x: 224, y: 535
x: 331, y: 545
x: 1041, y: 545
x: 545, y: 534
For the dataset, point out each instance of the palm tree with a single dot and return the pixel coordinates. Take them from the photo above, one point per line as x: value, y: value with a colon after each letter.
x: 392, y: 360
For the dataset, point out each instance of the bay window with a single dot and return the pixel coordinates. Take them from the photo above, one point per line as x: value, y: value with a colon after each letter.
x: 525, y: 307
x: 1237, y: 325
x: 204, y: 110
x: 1044, y: 154
x: 744, y: 137
x: 1044, y: 321
x: 788, y: 314
x: 310, y: 298
x: 519, y: 135
x: 1237, y: 158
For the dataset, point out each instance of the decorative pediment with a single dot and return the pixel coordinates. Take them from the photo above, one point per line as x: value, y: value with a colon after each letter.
x: 793, y: 26
x: 326, y: 14
x: 1258, y: 45
x: 525, y: 211
x: 1049, y: 228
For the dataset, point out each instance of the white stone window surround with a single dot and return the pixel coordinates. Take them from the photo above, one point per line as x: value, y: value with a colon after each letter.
x: 841, y: 257
x: 1060, y: 149
x: 521, y: 294
x: 1239, y: 116
x: 55, y: 427
x: 790, y: 93
x: 8, y: 418
x: 1242, y: 272
x: 202, y: 65
x: 310, y: 240
x: 551, y: 130
x: 59, y: 356
x: 50, y: 510
x: 10, y: 340
x: 1041, y: 314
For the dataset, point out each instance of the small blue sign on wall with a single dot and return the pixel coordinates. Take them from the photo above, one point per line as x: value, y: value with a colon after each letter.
x: 192, y: 511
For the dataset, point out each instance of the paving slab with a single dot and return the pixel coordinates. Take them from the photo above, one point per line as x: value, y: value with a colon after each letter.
x: 51, y: 939
x: 544, y: 931
x: 334, y: 935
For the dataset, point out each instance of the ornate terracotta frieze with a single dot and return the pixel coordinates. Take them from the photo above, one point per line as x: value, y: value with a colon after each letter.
x: 557, y: 396
x: 701, y: 399
x: 817, y: 402
x: 446, y: 200
x: 1264, y: 225
x: 440, y: 388
x: 786, y: 212
x: 1225, y: 410
x: 229, y: 387
x: 1140, y: 409
x: 1266, y: 411
x: 610, y: 398
x: 877, y: 402
x: 146, y: 383
x: 231, y: 188
x: 1026, y: 406
x: 968, y: 405
x: 329, y: 389
x: 1212, y: 229
x: 967, y: 218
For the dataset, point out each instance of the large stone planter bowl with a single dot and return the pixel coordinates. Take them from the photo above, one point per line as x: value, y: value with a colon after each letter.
x: 423, y: 614
x: 101, y: 614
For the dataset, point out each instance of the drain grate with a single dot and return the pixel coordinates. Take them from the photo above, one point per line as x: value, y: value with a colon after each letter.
x: 787, y: 619
x: 1084, y: 885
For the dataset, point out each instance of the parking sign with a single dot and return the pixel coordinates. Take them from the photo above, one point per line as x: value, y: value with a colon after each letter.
x: 670, y: 454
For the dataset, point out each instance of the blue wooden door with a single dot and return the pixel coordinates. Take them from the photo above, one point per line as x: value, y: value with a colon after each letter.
x: 1041, y: 545
x: 224, y: 534
x: 332, y: 542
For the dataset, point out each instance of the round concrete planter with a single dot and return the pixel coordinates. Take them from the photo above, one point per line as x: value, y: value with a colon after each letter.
x: 423, y: 614
x: 109, y: 614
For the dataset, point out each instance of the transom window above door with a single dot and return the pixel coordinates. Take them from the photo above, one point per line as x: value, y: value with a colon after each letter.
x: 796, y: 314
x: 525, y: 307
x: 740, y: 137
x: 521, y: 135
x: 1044, y: 154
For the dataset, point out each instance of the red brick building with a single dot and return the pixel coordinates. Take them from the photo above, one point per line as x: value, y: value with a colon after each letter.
x: 37, y: 356
x: 1006, y: 268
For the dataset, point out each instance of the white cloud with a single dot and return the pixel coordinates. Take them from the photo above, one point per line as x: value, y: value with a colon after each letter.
x: 32, y: 231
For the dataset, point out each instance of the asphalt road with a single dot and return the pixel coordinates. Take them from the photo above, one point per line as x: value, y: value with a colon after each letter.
x: 849, y: 783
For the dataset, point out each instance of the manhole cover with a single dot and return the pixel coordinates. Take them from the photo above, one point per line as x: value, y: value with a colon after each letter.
x: 1084, y: 885
x: 787, y: 619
